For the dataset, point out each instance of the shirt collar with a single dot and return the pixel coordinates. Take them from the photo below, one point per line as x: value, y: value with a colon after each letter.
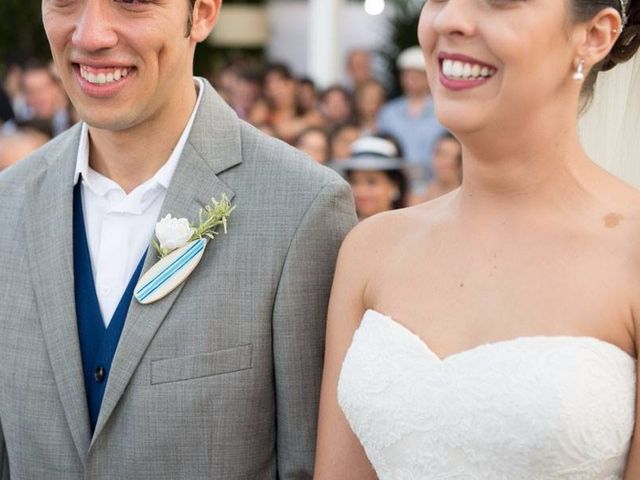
x: 162, y: 176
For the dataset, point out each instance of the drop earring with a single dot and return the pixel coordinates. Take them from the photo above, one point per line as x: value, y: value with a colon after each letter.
x: 579, y: 73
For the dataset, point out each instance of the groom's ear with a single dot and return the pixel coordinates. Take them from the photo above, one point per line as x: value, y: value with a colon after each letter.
x: 597, y: 36
x: 204, y: 16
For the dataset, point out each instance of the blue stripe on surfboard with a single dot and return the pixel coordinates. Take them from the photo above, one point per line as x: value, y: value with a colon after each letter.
x: 162, y: 277
x: 170, y: 270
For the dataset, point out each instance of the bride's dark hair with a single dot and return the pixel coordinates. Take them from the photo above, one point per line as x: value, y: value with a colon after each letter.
x: 624, y: 48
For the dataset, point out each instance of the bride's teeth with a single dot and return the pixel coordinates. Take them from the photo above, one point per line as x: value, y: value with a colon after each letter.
x: 447, y: 67
x: 458, y: 70
x: 116, y: 75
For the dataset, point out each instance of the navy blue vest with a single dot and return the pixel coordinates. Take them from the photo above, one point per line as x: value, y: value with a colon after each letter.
x: 97, y: 343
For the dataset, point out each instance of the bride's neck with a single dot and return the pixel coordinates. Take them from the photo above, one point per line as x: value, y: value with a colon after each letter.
x: 516, y: 169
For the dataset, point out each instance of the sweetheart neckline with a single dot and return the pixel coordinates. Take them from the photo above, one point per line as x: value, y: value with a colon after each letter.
x: 496, y: 343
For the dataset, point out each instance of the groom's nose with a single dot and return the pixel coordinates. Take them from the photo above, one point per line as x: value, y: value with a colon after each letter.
x: 93, y: 29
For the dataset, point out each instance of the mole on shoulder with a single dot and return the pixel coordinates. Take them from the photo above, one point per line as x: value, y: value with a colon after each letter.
x: 613, y: 220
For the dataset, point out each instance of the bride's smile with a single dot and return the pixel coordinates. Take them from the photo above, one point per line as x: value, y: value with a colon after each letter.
x: 460, y: 72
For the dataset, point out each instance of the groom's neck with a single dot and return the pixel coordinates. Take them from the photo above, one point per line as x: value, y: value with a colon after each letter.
x: 132, y: 156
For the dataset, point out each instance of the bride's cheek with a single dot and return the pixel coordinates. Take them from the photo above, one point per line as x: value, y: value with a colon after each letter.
x: 426, y: 32
x: 429, y: 31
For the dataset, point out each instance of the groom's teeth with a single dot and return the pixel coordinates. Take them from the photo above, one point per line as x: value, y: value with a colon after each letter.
x: 458, y: 70
x: 102, y: 78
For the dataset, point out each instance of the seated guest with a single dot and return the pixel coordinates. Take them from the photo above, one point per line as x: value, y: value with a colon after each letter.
x: 376, y: 174
x: 46, y: 97
x: 359, y: 67
x: 18, y: 145
x: 446, y: 171
x: 446, y: 167
x: 280, y: 110
x: 12, y: 86
x: 226, y: 78
x: 342, y: 139
x: 370, y: 98
x: 314, y: 141
x: 307, y: 95
x: 245, y: 92
x: 411, y: 118
x: 336, y: 107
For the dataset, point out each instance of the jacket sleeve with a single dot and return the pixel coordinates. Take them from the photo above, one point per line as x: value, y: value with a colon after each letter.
x: 299, y: 318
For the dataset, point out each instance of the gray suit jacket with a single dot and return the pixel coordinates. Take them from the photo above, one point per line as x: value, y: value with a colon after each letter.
x: 219, y: 380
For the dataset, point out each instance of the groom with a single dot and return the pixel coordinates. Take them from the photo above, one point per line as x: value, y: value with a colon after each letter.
x: 220, y: 378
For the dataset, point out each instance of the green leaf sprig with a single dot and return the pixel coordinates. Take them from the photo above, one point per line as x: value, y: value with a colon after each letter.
x: 211, y: 216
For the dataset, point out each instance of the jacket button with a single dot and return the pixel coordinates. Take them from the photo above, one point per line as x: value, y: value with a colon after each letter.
x: 99, y: 374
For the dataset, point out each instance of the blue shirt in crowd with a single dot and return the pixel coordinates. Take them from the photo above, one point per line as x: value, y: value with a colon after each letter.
x: 417, y: 135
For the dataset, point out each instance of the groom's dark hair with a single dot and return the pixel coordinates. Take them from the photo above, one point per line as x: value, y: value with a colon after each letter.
x: 190, y: 17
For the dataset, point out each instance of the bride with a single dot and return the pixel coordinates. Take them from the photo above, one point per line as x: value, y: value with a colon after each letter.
x: 493, y: 333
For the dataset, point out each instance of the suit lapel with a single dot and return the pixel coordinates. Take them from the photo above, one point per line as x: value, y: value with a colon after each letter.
x: 213, y: 146
x: 50, y: 251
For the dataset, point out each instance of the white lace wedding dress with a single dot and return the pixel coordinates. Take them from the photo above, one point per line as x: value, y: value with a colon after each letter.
x: 542, y: 408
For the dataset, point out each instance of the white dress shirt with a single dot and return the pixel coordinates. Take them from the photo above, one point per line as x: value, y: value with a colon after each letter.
x: 120, y: 227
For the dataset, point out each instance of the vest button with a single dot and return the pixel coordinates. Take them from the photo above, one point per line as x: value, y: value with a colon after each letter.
x: 99, y: 374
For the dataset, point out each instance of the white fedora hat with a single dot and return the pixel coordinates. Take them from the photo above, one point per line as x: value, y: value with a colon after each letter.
x: 411, y: 59
x: 372, y: 153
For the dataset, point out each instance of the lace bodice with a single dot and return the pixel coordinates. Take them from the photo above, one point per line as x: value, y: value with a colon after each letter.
x: 542, y: 408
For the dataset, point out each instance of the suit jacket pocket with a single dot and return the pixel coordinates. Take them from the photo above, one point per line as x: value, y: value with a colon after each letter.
x: 203, y: 365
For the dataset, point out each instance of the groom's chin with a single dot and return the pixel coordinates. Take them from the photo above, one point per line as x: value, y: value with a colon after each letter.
x: 103, y: 120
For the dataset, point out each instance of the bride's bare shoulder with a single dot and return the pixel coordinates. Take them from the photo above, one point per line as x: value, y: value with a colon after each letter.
x: 630, y: 214
x: 386, y: 232
x: 624, y: 203
x: 619, y: 223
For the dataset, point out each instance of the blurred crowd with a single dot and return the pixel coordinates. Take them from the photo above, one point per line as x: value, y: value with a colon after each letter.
x: 34, y: 108
x: 393, y: 151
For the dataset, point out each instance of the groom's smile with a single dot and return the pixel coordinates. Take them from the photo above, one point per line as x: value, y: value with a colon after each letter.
x: 103, y: 81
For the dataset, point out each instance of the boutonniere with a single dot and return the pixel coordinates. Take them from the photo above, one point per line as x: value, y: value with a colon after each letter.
x: 180, y: 247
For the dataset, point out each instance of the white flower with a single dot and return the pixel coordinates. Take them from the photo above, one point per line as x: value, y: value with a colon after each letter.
x: 173, y: 233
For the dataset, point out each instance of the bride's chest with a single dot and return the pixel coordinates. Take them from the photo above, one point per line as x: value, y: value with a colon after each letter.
x: 463, y: 298
x: 559, y: 401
